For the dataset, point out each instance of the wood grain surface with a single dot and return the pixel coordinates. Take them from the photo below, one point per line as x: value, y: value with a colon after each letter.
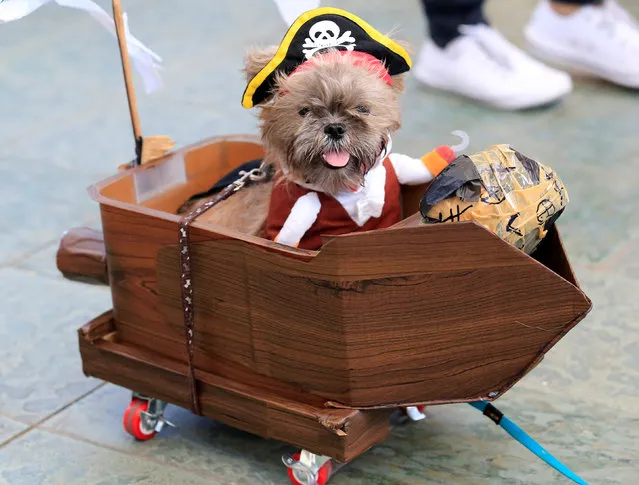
x: 272, y: 411
x: 82, y: 256
x: 417, y: 315
x: 411, y: 314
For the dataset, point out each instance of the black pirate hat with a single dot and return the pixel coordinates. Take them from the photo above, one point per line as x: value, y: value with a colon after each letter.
x: 313, y: 33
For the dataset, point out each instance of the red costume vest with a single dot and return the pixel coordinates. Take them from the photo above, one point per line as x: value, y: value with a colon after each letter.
x: 332, y: 218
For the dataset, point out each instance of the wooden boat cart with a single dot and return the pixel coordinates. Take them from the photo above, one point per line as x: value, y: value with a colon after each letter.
x: 313, y: 348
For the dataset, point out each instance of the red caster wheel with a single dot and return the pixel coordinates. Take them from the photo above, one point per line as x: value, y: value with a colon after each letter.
x: 300, y: 477
x: 136, y: 423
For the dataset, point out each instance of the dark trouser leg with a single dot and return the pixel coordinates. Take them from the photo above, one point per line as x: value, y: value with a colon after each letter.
x: 579, y: 2
x: 445, y: 17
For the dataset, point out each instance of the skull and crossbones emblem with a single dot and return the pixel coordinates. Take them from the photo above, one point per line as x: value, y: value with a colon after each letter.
x: 326, y: 34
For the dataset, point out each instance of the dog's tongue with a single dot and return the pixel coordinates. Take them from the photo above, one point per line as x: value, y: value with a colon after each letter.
x: 336, y: 159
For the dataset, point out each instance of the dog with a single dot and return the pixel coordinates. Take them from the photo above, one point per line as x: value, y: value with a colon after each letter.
x: 326, y: 129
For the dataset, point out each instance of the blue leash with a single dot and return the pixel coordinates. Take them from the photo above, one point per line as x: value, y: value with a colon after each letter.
x: 516, y: 432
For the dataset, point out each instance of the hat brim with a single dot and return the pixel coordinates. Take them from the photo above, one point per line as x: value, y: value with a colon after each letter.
x: 286, y: 59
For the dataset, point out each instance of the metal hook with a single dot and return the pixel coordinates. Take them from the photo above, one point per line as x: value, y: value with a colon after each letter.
x: 254, y: 175
x: 465, y: 140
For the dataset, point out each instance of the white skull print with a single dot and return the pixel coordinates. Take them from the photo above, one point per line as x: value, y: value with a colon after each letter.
x: 325, y: 34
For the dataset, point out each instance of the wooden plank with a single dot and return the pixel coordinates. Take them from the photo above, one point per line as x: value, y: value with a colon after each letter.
x: 386, y: 320
x: 98, y: 328
x: 277, y: 412
x: 416, y: 313
x: 552, y: 255
x: 82, y: 256
x: 134, y: 233
x: 411, y: 197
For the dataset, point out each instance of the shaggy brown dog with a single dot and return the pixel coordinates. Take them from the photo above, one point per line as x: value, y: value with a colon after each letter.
x: 325, y: 126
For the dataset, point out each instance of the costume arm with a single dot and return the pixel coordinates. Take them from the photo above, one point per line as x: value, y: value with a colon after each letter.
x: 303, y: 215
x: 416, y: 171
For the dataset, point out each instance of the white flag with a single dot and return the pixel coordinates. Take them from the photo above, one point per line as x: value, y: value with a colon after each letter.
x: 146, y: 62
x: 291, y: 9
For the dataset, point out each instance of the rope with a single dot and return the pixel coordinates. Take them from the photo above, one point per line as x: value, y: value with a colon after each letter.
x: 186, y: 280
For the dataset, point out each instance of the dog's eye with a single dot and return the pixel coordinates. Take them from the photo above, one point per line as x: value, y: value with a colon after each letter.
x: 362, y: 109
x: 304, y: 111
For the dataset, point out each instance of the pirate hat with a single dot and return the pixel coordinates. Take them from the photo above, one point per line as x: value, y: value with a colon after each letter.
x: 313, y: 33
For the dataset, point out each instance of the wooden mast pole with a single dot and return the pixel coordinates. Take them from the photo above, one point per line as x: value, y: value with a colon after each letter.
x: 151, y: 147
x: 128, y: 80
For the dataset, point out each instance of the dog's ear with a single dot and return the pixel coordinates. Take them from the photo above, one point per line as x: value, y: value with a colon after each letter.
x: 399, y: 79
x: 398, y: 82
x: 256, y: 59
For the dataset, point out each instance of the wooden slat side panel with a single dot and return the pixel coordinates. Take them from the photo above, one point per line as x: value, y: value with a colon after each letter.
x: 551, y: 254
x: 298, y: 332
x: 199, y: 159
x: 415, y: 250
x: 121, y: 188
x: 222, y: 319
x: 204, y: 166
x: 345, y: 322
x: 198, y: 162
x: 243, y: 378
x: 132, y: 241
x: 442, y: 331
x: 367, y: 428
x: 411, y: 197
x: 408, y: 339
x: 452, y: 334
x: 236, y: 153
x: 250, y: 409
x: 405, y: 326
x: 251, y: 313
x: 97, y: 328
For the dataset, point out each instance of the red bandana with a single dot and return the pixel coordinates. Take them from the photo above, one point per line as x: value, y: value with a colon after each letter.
x: 369, y: 61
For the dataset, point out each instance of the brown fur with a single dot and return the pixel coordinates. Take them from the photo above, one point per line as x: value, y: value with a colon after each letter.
x: 331, y: 93
x: 292, y: 129
x: 244, y: 212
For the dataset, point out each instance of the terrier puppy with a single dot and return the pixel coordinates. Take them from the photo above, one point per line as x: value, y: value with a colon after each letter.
x: 326, y: 126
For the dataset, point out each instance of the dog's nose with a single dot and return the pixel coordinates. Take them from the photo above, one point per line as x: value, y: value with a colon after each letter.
x: 335, y: 130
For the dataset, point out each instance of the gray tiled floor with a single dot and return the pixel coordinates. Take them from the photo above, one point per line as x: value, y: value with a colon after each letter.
x: 64, y: 125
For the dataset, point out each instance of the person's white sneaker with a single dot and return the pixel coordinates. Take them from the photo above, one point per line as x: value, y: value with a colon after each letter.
x: 600, y: 41
x: 620, y: 13
x: 482, y: 65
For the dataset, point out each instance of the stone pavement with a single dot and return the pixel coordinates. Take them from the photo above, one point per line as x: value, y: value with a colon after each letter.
x: 64, y: 125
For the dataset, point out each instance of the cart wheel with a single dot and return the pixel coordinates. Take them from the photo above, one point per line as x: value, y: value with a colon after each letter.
x: 323, y: 474
x: 414, y: 413
x: 136, y: 423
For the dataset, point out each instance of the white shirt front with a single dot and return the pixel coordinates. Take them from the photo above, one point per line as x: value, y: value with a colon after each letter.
x: 361, y: 205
